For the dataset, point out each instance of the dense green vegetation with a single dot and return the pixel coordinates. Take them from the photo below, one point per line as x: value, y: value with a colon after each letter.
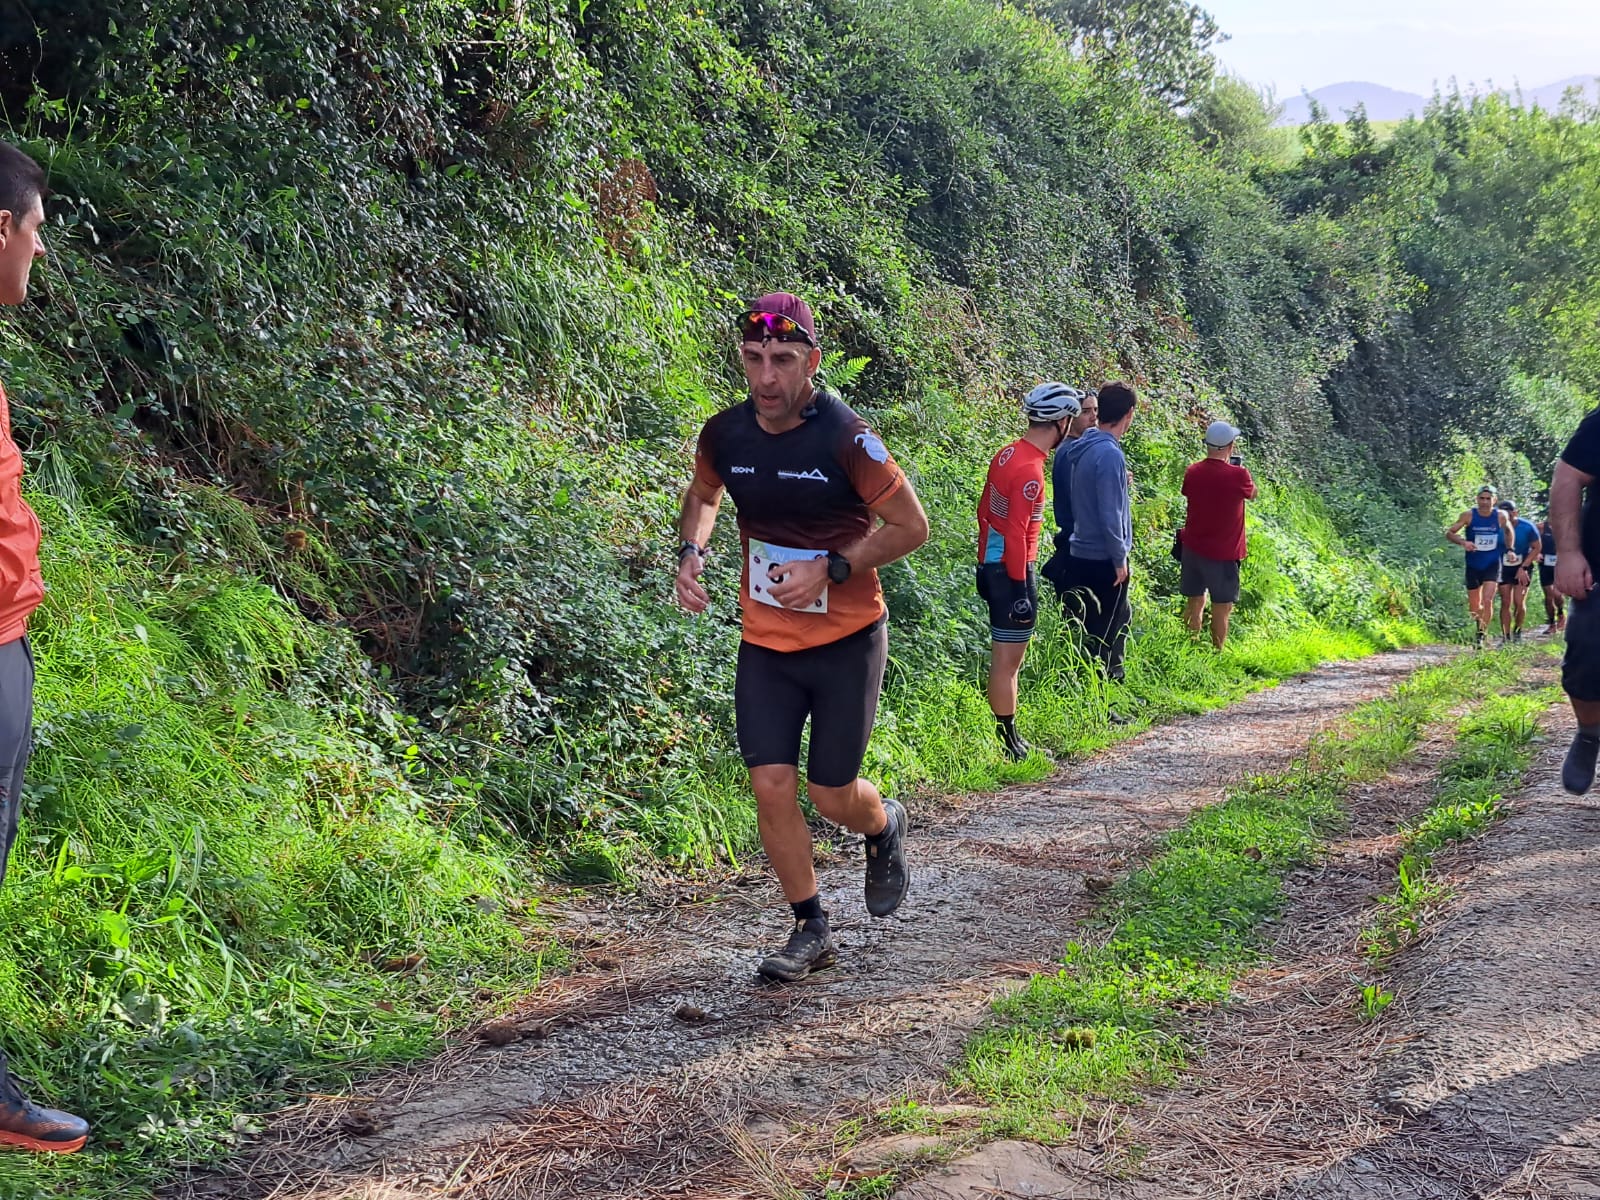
x: 360, y: 388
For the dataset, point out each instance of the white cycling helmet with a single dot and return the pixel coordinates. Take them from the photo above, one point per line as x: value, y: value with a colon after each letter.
x: 1052, y: 402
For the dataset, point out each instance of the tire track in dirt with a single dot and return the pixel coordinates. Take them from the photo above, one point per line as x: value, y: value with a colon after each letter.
x: 1481, y: 1080
x: 631, y: 1099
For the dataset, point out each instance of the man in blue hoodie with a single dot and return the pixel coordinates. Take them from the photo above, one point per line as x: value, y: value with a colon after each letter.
x: 1093, y: 578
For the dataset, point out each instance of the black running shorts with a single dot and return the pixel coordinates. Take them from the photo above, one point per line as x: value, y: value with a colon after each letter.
x: 1547, y: 575
x: 1508, y: 575
x: 1477, y: 577
x: 836, y: 685
x: 1200, y: 575
x: 1580, y: 669
x: 1013, y: 606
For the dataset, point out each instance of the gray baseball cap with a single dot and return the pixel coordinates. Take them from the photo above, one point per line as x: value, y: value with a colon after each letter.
x: 1220, y: 434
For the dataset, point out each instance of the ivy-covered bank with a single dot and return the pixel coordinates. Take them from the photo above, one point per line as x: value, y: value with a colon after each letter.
x: 359, y: 393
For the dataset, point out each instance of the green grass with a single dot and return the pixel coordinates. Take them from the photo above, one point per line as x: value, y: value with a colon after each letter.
x: 214, y: 864
x: 1493, y: 748
x: 232, y: 832
x: 1184, y: 925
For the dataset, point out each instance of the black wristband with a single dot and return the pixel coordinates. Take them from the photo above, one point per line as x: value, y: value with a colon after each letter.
x: 690, y: 548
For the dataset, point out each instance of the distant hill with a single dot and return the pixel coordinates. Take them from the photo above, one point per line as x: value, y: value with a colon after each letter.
x: 1387, y: 104
x: 1383, y: 104
x: 1550, y: 95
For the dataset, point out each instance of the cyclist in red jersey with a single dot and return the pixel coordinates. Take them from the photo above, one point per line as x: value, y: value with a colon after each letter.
x: 1010, y: 513
x: 821, y: 505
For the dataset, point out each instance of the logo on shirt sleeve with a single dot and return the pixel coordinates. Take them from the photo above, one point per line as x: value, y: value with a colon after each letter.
x: 875, y: 448
x: 1031, y: 489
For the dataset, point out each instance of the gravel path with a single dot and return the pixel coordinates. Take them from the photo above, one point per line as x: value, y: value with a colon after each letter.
x: 1481, y: 1080
x: 648, y: 1071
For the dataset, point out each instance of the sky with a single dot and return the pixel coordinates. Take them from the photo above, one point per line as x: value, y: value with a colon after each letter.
x: 1407, y: 44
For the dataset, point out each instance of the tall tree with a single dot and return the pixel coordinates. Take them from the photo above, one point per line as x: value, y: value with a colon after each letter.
x: 1167, y: 43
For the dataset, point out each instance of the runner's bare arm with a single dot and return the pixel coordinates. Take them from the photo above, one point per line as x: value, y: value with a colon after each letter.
x: 695, y: 523
x: 1573, y: 575
x: 1454, y: 534
x: 904, y: 527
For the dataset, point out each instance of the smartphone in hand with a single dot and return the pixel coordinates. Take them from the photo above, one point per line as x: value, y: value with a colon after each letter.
x: 1236, y: 459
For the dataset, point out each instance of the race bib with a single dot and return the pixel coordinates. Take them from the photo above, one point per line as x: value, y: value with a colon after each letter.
x: 1485, y: 541
x: 762, y: 556
x: 1549, y: 560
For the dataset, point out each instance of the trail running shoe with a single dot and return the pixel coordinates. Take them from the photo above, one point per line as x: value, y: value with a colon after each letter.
x: 888, y: 877
x: 1577, y: 773
x: 810, y: 948
x: 47, y: 1130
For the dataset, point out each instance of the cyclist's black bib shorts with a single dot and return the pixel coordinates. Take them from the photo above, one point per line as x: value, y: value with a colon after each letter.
x: 836, y: 685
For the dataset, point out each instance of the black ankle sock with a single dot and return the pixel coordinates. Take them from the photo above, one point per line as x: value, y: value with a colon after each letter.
x: 809, y: 910
x: 1007, y: 724
x: 888, y: 826
x: 1589, y: 731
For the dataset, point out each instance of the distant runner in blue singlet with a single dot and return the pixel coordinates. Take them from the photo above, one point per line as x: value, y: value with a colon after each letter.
x: 1486, y: 528
x: 1555, y: 604
x: 1518, y: 556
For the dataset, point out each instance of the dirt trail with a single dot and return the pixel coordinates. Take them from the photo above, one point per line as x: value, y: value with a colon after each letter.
x: 1481, y: 1080
x: 642, y: 1074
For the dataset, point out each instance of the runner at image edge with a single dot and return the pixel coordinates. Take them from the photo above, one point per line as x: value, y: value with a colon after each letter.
x: 22, y: 193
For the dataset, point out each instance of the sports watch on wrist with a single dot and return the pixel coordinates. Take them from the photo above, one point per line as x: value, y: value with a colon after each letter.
x: 838, y: 567
x: 686, y: 548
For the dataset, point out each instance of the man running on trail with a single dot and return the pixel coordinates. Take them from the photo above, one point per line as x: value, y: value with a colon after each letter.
x: 22, y: 193
x: 1579, y: 539
x: 820, y: 506
x: 1518, y: 556
x: 1093, y: 578
x: 1481, y: 532
x: 1213, y: 537
x: 1555, y: 604
x: 1010, y: 512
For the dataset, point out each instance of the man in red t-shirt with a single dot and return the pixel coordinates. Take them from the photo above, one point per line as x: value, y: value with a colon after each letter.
x: 22, y: 192
x: 1213, y: 534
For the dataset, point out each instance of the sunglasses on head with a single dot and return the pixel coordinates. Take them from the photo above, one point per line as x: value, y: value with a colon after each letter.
x: 759, y: 326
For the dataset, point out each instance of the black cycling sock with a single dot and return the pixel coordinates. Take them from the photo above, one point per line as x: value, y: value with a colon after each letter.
x: 888, y: 826
x: 809, y: 910
x: 1589, y: 731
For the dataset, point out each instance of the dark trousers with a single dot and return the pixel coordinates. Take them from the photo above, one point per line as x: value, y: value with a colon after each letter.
x: 1091, y: 594
x: 16, y: 739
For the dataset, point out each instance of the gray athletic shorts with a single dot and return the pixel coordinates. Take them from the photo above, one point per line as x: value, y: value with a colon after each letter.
x: 1201, y: 575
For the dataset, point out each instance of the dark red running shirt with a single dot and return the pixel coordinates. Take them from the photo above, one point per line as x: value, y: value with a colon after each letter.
x: 799, y: 494
x: 1216, y: 490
